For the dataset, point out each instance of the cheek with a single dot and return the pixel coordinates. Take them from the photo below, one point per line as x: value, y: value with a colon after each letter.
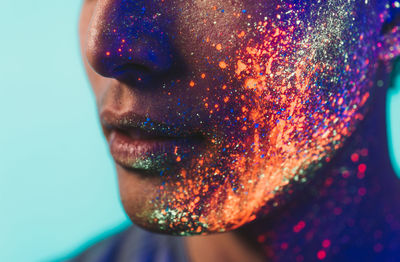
x: 285, y: 99
x: 294, y: 83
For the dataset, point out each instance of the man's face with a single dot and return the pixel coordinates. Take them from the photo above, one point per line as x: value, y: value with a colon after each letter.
x: 214, y: 108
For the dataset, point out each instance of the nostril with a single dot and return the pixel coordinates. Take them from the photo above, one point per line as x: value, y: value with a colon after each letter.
x: 131, y: 67
x: 133, y: 74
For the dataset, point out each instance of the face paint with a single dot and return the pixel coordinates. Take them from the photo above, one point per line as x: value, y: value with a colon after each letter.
x: 247, y: 99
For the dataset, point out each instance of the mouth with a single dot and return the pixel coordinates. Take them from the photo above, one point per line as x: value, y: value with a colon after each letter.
x: 141, y: 145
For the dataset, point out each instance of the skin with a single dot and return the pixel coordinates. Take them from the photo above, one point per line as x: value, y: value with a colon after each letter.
x: 274, y: 88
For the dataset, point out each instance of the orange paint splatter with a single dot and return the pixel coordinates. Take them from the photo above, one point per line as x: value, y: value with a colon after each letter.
x: 222, y: 64
x: 240, y: 67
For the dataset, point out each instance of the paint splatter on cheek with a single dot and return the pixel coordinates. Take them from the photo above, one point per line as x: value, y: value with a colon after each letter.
x: 292, y: 92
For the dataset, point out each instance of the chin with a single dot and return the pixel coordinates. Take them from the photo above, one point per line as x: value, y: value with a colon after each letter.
x: 176, y: 208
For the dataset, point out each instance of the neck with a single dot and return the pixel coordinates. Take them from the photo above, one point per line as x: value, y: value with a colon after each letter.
x: 349, y: 211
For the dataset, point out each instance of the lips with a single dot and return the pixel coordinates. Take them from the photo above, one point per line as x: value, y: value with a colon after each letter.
x: 137, y: 143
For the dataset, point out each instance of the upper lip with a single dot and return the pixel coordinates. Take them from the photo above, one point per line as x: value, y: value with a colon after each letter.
x: 143, y: 127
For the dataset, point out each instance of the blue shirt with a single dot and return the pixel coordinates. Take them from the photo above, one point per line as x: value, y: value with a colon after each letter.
x: 135, y: 245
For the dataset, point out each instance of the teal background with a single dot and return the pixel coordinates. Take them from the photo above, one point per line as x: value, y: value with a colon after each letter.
x: 58, y: 187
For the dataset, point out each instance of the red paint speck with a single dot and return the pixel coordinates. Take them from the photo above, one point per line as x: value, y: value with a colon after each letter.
x: 345, y: 174
x: 362, y: 168
x: 364, y: 152
x: 326, y: 243
x: 354, y: 157
x: 261, y: 239
x: 328, y: 181
x: 297, y: 228
x: 321, y: 255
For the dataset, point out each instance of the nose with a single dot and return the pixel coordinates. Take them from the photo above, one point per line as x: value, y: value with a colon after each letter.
x: 125, y: 41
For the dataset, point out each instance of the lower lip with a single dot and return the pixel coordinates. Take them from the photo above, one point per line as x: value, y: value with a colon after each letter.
x: 153, y: 155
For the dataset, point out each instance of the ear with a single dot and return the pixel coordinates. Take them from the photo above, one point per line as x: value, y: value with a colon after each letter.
x: 389, y: 42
